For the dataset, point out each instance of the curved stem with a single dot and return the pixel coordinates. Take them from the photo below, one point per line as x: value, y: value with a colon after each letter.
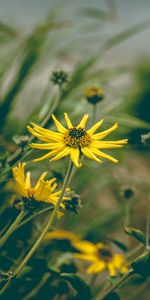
x: 44, y: 231
x: 12, y: 228
x: 115, y: 286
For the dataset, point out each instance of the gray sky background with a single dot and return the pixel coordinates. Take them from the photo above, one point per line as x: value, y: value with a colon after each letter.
x: 24, y: 14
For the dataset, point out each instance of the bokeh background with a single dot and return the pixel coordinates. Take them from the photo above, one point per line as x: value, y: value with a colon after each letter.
x: 104, y: 43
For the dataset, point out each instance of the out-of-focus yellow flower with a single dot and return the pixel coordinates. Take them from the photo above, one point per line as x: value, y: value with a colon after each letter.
x: 94, y: 94
x: 74, y: 141
x: 100, y: 258
x: 42, y: 191
x: 61, y: 235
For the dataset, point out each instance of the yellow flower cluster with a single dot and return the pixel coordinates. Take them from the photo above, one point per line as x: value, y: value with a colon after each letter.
x: 43, y: 191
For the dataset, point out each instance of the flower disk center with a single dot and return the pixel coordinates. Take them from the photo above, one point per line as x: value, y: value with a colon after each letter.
x: 77, y: 138
x: 105, y: 254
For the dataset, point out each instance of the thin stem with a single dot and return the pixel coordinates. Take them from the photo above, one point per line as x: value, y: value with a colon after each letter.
x: 115, y: 286
x: 94, y: 116
x: 12, y: 228
x: 45, y: 229
x: 147, y: 223
x: 127, y: 213
x: 33, y: 216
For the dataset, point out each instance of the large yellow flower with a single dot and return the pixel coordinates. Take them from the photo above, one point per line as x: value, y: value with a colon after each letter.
x: 100, y: 258
x: 44, y: 190
x: 74, y: 140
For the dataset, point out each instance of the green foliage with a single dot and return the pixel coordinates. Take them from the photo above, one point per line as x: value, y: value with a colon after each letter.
x: 81, y: 287
x: 141, y: 265
x: 135, y: 233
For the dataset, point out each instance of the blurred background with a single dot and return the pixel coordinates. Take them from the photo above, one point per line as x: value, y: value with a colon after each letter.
x: 104, y: 43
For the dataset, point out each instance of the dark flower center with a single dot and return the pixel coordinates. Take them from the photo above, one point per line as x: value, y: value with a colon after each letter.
x: 105, y: 254
x: 77, y: 138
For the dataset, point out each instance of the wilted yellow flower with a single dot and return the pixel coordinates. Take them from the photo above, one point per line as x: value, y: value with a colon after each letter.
x: 42, y: 191
x: 100, y: 258
x: 74, y: 141
x: 94, y: 94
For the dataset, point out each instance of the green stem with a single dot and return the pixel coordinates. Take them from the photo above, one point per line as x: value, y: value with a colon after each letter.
x: 33, y: 216
x: 147, y: 223
x: 115, y: 286
x: 12, y: 228
x: 94, y: 116
x: 44, y: 231
x: 126, y: 213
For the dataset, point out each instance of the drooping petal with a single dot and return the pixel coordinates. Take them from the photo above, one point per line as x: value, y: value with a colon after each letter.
x: 59, y: 126
x: 83, y: 121
x: 62, y: 153
x: 49, y: 154
x: 108, y: 144
x: 104, y: 155
x: 88, y: 153
x: 69, y: 124
x: 111, y: 269
x: 74, y: 155
x: 103, y: 134
x: 95, y: 127
x: 43, y: 134
x: 47, y: 146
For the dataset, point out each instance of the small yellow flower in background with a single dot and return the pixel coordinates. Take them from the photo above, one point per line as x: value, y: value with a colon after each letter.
x: 94, y: 94
x: 74, y: 140
x: 43, y: 191
x: 100, y: 258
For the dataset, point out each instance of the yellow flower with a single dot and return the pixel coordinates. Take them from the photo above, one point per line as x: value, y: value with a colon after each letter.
x: 94, y: 94
x: 74, y: 140
x: 42, y: 191
x: 100, y: 258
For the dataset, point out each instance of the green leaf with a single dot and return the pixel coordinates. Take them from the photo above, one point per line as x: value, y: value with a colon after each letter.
x: 120, y: 245
x: 112, y: 296
x: 119, y: 38
x: 141, y: 265
x: 79, y: 284
x: 135, y: 233
x: 130, y: 121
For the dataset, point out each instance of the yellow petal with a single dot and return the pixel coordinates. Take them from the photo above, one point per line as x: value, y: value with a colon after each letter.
x: 59, y: 126
x: 103, y: 134
x: 95, y: 127
x: 74, y: 155
x: 83, y: 121
x: 28, y: 181
x: 61, y: 154
x: 88, y: 153
x: 49, y: 154
x: 111, y: 269
x: 104, y: 155
x: 108, y: 144
x: 47, y: 146
x: 96, y: 267
x: 69, y: 124
x: 85, y: 247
